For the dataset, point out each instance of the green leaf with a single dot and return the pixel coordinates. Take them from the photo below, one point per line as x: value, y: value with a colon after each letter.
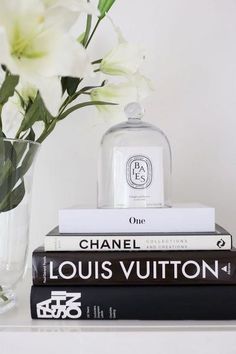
x: 11, y: 177
x: 5, y: 171
x: 10, y: 152
x: 18, y: 159
x: 70, y: 85
x: 31, y: 135
x: 2, y: 151
x: 13, y: 198
x: 28, y: 160
x: 8, y: 88
x: 36, y: 112
x: 81, y: 38
x: 11, y: 193
x: 104, y: 6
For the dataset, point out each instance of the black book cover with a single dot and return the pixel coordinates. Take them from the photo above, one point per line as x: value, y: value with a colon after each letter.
x: 134, y: 302
x: 219, y: 230
x: 134, y: 268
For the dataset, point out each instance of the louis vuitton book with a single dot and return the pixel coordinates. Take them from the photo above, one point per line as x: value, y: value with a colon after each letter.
x: 134, y: 268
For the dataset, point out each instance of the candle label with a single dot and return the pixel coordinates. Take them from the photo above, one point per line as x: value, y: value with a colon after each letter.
x: 139, y: 172
x: 138, y: 176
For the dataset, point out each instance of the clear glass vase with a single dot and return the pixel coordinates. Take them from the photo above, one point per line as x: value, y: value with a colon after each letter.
x: 16, y: 171
x: 134, y: 169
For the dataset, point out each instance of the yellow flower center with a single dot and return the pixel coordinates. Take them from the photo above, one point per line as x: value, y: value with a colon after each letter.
x: 23, y: 44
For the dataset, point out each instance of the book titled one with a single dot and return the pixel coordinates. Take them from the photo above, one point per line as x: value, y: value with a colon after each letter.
x: 178, y: 218
x: 134, y: 302
x: 134, y: 268
x: 218, y: 240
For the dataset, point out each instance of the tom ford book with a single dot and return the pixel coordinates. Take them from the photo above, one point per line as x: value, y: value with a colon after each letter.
x: 178, y: 218
x: 134, y: 268
x: 134, y: 302
x: 218, y: 240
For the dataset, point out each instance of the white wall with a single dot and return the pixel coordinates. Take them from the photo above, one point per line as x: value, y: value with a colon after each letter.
x: 191, y: 48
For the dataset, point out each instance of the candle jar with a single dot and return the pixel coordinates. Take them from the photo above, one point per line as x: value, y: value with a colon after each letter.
x: 134, y: 169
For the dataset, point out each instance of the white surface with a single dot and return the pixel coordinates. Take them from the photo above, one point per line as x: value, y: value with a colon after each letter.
x: 179, y: 218
x: 19, y: 334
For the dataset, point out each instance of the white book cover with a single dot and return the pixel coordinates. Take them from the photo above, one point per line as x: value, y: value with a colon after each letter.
x: 219, y: 240
x: 178, y: 218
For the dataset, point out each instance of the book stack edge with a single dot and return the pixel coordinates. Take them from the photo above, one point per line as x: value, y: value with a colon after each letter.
x: 145, y: 264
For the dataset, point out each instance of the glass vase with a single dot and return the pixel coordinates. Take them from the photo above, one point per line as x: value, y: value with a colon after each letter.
x: 16, y: 171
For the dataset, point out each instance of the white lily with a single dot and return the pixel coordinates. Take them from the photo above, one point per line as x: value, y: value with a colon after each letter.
x: 67, y: 12
x: 134, y: 90
x: 114, y: 93
x: 89, y: 7
x: 37, y: 52
x: 125, y: 59
x: 12, y: 111
x: 11, y: 118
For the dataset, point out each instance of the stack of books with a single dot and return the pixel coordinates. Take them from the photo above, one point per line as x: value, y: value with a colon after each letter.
x: 147, y: 264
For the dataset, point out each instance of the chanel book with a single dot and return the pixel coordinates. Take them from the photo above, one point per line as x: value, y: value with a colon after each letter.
x: 218, y: 240
x: 134, y: 268
x: 134, y: 302
x: 178, y: 218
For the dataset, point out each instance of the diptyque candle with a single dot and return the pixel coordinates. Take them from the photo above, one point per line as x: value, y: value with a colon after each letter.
x: 134, y: 169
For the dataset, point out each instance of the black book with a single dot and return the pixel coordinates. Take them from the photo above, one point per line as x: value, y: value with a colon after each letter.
x: 134, y: 268
x: 134, y: 302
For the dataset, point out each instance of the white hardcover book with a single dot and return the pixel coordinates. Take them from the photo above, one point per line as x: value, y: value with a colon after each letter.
x: 219, y: 240
x: 178, y: 218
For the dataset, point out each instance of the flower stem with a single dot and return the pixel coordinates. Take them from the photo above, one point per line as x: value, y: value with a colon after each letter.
x: 87, y: 30
x: 1, y: 107
x: 47, y: 130
x: 82, y: 105
x: 92, y: 34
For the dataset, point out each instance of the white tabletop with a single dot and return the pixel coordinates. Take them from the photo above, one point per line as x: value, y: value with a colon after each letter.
x: 20, y: 334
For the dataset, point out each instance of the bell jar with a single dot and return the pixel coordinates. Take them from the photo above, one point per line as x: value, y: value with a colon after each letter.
x: 134, y: 166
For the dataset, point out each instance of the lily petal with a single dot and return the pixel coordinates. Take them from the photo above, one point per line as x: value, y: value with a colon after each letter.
x: 62, y: 17
x: 125, y: 59
x: 79, y: 6
x: 51, y: 93
x: 121, y: 94
x: 5, y: 55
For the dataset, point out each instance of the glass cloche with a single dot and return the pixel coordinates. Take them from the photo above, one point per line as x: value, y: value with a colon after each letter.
x: 134, y: 169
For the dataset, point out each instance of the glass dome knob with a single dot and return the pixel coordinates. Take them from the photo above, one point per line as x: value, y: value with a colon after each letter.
x: 134, y: 111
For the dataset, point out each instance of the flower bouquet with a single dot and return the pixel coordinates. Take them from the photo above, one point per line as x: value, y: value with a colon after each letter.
x: 46, y: 66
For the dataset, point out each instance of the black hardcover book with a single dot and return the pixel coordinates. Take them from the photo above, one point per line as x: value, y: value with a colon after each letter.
x: 134, y: 268
x: 134, y: 302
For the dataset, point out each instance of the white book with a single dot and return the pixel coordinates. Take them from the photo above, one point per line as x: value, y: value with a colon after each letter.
x: 219, y: 240
x: 178, y: 218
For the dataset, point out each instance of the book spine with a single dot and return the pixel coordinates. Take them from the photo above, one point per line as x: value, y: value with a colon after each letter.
x: 134, y: 268
x: 196, y: 219
x: 134, y: 303
x: 137, y: 243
